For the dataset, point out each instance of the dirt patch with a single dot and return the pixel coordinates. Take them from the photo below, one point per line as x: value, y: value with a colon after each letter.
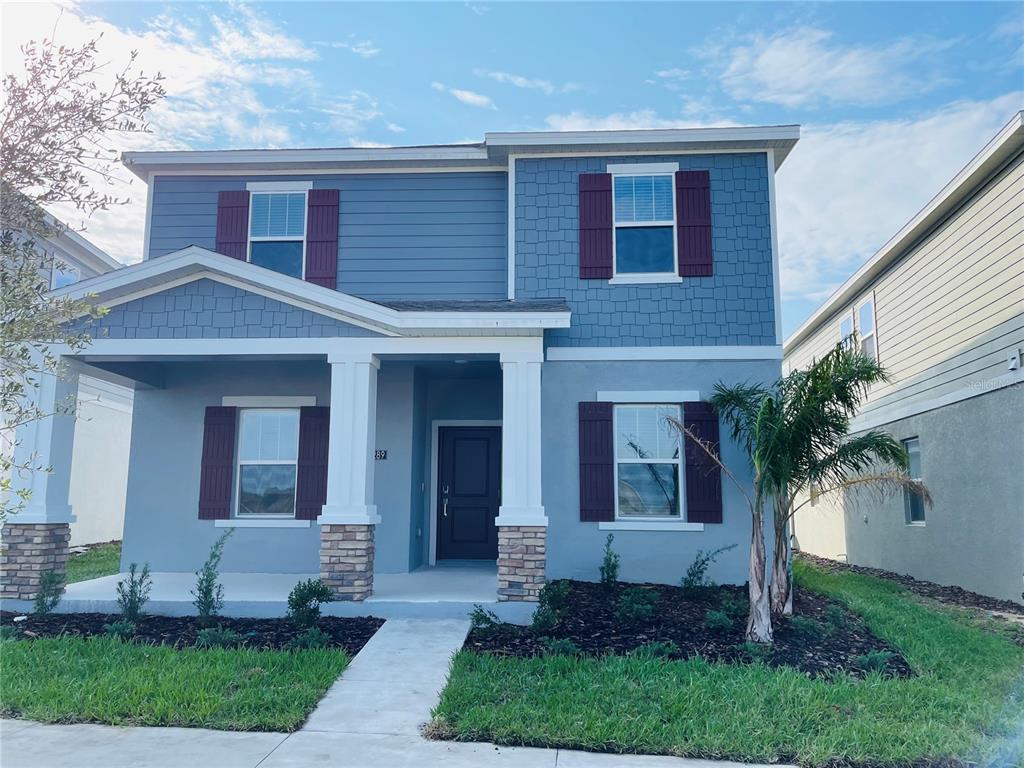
x: 824, y: 638
x: 349, y: 634
x: 950, y: 595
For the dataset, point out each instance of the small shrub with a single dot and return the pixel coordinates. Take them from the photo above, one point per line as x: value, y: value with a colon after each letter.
x: 836, y: 618
x: 555, y: 595
x: 313, y: 637
x: 609, y: 563
x: 218, y: 637
x: 483, y: 620
x: 121, y: 629
x: 636, y: 603
x: 544, y: 619
x: 718, y: 621
x: 133, y: 592
x: 757, y: 652
x: 8, y: 632
x: 209, y: 594
x: 695, y: 583
x: 806, y: 627
x: 304, y: 602
x: 873, y: 661
x: 734, y: 606
x: 560, y: 646
x: 656, y: 649
x: 51, y: 587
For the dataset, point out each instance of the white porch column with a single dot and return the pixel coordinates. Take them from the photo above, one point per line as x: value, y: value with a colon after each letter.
x: 348, y: 517
x: 35, y: 539
x: 522, y: 524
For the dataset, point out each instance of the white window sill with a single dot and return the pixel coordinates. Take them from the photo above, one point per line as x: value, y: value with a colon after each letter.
x: 644, y: 279
x: 916, y: 524
x: 273, y: 522
x: 652, y: 525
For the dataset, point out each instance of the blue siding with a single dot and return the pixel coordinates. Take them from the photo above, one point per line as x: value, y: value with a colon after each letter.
x: 206, y: 309
x: 735, y: 306
x: 402, y: 236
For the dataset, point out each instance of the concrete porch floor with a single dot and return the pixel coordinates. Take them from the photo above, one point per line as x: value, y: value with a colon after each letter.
x: 445, y: 591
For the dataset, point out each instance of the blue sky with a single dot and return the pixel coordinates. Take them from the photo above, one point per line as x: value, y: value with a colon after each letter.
x: 893, y: 98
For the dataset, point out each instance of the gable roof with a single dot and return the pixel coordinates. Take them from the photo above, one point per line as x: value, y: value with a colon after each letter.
x: 1005, y: 145
x: 492, y: 153
x: 403, y: 319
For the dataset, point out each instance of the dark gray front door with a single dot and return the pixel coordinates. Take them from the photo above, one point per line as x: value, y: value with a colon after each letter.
x: 468, y: 492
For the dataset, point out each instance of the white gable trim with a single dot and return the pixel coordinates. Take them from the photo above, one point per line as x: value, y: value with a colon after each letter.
x: 194, y: 263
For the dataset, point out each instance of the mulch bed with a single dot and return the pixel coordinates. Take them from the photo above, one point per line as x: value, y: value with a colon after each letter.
x: 349, y: 634
x: 829, y: 646
x: 951, y: 595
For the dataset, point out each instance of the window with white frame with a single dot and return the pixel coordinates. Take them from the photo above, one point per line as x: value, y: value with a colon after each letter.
x: 912, y: 502
x: 846, y: 329
x: 62, y: 275
x: 645, y: 224
x: 866, y: 328
x: 277, y: 231
x: 648, y: 463
x: 268, y: 451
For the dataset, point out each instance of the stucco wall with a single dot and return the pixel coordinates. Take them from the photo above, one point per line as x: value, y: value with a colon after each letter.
x: 574, y: 547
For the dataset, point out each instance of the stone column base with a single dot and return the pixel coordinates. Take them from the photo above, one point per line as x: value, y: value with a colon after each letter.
x: 346, y: 560
x: 522, y: 554
x: 27, y: 551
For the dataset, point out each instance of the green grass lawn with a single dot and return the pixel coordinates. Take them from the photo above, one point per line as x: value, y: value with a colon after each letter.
x: 103, y: 680
x: 101, y: 561
x: 967, y: 696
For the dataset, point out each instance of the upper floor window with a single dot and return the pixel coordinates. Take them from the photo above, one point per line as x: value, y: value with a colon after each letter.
x: 846, y: 329
x: 277, y: 230
x: 648, y: 462
x: 866, y: 327
x: 645, y: 237
x: 62, y: 275
x: 268, y: 452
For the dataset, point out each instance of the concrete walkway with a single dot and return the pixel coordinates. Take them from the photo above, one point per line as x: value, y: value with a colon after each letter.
x: 370, y: 718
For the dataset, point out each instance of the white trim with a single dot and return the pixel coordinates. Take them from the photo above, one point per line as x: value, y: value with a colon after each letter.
x: 432, y: 487
x: 150, y: 179
x: 679, y: 462
x: 282, y: 401
x: 279, y: 186
x: 240, y: 462
x: 654, y: 525
x: 284, y: 189
x: 773, y: 223
x: 330, y: 171
x: 510, y: 249
x: 852, y: 317
x: 970, y: 177
x: 662, y: 397
x: 870, y: 297
x: 665, y: 353
x: 644, y: 278
x: 258, y: 522
x: 641, y: 169
x: 888, y: 414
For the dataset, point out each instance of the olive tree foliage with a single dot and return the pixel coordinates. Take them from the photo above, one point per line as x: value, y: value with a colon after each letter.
x: 58, y: 125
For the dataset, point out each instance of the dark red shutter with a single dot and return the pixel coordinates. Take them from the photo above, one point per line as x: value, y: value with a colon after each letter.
x: 595, y: 224
x: 597, y: 470
x: 703, y: 475
x: 322, y: 237
x: 218, y: 468
x: 233, y: 224
x: 693, y: 217
x: 311, y: 482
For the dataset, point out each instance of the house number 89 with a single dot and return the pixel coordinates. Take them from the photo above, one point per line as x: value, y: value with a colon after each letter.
x: 380, y: 455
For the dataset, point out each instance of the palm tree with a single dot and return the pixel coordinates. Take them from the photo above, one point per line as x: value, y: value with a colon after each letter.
x: 796, y: 433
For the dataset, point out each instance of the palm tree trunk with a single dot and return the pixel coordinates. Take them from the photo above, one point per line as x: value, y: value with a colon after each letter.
x: 781, y: 587
x: 759, y: 620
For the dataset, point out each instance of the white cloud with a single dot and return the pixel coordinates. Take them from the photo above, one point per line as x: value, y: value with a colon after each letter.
x: 805, y: 66
x: 675, y: 73
x: 472, y: 98
x: 247, y: 35
x: 692, y: 115
x: 350, y: 114
x: 847, y: 188
x: 366, y: 144
x: 364, y: 48
x: 395, y: 128
x: 519, y: 81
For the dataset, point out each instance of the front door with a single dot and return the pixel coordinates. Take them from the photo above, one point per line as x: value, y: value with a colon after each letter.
x: 468, y: 492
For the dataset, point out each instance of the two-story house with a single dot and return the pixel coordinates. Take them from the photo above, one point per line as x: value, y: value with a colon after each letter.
x: 381, y: 361
x: 941, y: 306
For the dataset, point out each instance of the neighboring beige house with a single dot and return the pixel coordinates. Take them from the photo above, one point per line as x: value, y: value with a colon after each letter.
x: 942, y: 307
x: 99, y: 467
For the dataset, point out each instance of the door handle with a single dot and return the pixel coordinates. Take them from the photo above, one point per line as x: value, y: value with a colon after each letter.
x: 444, y: 509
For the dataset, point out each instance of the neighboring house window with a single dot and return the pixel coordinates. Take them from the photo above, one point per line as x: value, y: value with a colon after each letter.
x: 62, y: 275
x: 866, y: 329
x: 268, y: 450
x: 648, y: 462
x: 913, y: 504
x: 277, y: 231
x: 645, y: 237
x: 815, y: 493
x: 846, y: 329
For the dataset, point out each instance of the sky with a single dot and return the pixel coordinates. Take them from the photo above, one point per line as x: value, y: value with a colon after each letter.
x: 893, y: 98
